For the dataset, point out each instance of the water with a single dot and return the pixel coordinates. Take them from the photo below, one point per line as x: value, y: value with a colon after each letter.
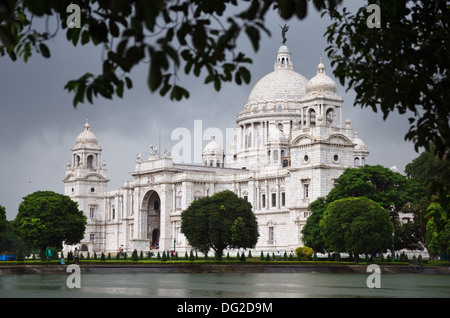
x: 227, y: 285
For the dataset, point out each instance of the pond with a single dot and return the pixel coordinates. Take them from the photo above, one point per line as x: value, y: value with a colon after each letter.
x: 226, y: 285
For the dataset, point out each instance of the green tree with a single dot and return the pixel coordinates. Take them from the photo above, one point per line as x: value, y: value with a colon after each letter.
x: 311, y: 235
x: 389, y: 189
x: 438, y: 229
x: 221, y: 221
x: 393, y: 191
x: 3, y: 221
x: 356, y: 225
x: 402, y: 66
x: 434, y: 174
x: 46, y: 218
x: 174, y: 36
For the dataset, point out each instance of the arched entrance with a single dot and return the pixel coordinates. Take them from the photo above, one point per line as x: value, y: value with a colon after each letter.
x: 152, y: 205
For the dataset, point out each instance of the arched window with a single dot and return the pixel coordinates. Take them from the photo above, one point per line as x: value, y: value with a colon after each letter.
x: 329, y: 116
x: 90, y: 160
x: 356, y: 161
x: 275, y: 156
x: 312, y: 118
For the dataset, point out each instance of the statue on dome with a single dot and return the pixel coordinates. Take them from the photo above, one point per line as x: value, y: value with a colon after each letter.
x: 284, y: 30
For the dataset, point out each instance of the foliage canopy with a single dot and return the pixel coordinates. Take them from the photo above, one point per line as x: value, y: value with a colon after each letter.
x: 171, y: 36
x: 356, y: 225
x: 221, y: 221
x: 47, y: 219
x: 402, y: 66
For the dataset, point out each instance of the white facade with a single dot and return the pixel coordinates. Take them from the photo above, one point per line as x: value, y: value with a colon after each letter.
x: 290, y: 146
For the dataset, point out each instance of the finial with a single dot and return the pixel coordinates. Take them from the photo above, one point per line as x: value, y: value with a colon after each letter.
x: 86, y: 126
x: 321, y: 67
x: 284, y: 30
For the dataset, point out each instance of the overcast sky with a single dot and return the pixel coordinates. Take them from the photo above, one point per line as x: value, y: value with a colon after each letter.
x: 38, y: 124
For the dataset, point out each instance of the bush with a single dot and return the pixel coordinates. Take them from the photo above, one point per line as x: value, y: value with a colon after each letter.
x: 304, y: 253
x: 134, y: 256
x: 102, y: 257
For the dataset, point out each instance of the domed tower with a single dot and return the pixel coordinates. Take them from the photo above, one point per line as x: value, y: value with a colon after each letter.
x: 323, y: 102
x: 264, y: 126
x: 361, y: 151
x: 86, y: 183
x: 213, y: 154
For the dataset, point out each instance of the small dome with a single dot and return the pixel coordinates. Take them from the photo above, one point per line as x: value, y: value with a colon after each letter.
x: 284, y: 49
x: 277, y: 136
x: 87, y: 138
x: 321, y: 82
x: 213, y: 148
x: 360, y: 145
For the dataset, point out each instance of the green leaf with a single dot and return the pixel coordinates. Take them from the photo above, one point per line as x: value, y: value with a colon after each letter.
x: 253, y: 35
x: 44, y: 50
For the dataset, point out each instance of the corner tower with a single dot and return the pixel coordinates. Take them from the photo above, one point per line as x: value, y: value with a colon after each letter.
x: 86, y: 183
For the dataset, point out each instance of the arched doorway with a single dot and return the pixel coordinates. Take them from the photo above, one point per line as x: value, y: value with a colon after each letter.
x: 152, y: 205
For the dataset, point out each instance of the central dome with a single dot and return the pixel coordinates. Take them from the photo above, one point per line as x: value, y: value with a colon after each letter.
x: 283, y: 83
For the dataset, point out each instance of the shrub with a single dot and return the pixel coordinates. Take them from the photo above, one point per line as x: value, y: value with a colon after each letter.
x: 102, y: 257
x: 134, y: 256
x: 19, y: 256
x: 242, y: 259
x: 304, y: 253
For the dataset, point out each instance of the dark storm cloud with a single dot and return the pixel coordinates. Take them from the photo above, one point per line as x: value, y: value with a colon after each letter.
x: 38, y: 124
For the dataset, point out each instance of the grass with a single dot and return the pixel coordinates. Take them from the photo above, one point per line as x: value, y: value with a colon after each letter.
x: 207, y: 262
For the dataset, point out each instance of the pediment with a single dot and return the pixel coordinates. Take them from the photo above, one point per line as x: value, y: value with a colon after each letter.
x: 94, y: 177
x: 339, y: 140
x: 303, y: 140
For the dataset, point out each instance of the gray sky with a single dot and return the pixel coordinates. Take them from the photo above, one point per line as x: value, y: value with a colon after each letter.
x: 38, y: 124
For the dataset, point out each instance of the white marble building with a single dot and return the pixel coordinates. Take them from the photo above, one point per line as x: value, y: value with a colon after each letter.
x: 290, y: 146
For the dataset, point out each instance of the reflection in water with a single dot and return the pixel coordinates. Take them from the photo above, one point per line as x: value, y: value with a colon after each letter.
x: 269, y: 285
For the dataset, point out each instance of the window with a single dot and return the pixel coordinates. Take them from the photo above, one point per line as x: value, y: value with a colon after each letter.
x: 271, y: 235
x: 306, y: 191
x: 283, y: 198
x: 274, y: 200
x: 275, y: 156
x: 91, y: 212
x: 90, y: 160
x: 92, y: 237
x: 336, y: 157
x: 263, y: 200
x: 113, y: 213
x: 178, y: 202
x: 246, y: 197
x: 156, y: 205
